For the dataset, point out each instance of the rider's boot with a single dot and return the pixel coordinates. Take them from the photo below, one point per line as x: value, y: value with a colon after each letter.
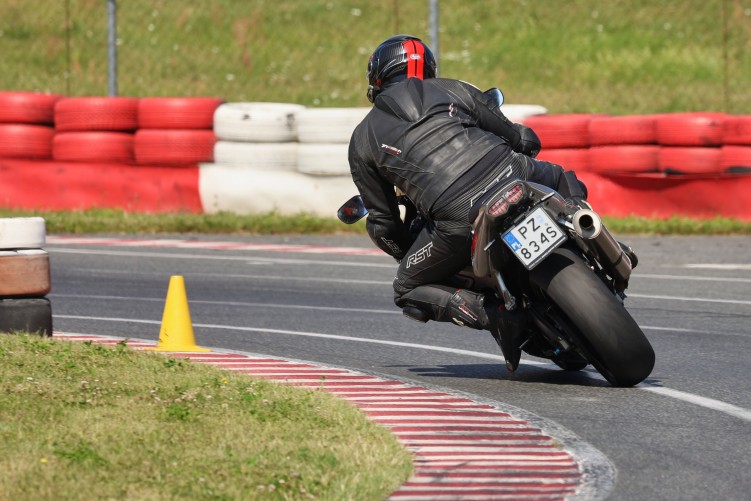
x: 470, y: 309
x: 466, y: 309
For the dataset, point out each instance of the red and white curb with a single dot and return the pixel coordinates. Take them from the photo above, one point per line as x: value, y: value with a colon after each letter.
x: 463, y: 449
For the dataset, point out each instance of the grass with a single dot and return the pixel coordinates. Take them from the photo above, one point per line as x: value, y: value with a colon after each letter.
x: 119, y: 221
x: 618, y: 57
x: 94, y: 221
x: 80, y: 420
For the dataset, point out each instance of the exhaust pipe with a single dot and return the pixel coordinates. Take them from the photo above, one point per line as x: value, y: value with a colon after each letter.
x: 588, y: 226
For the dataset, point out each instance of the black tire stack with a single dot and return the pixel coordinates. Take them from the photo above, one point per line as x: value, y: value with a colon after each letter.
x: 24, y: 277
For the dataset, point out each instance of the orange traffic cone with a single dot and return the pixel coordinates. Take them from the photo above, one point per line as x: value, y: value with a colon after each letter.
x: 176, y: 333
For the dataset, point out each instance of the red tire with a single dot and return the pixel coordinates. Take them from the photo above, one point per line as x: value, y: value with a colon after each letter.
x: 174, y: 147
x: 562, y: 131
x: 96, y: 114
x: 690, y: 160
x: 631, y: 129
x: 624, y: 158
x: 26, y: 141
x: 177, y: 112
x: 737, y: 129
x: 736, y: 159
x: 106, y: 147
x: 690, y: 129
x: 576, y: 159
x: 27, y: 107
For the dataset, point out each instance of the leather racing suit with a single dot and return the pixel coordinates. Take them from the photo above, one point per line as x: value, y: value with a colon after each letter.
x: 443, y: 143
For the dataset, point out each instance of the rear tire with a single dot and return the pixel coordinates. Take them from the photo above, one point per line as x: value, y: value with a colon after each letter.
x: 600, y: 326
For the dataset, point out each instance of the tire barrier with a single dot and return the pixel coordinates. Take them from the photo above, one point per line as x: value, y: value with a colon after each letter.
x: 93, y: 147
x: 252, y: 191
x: 257, y: 136
x: 33, y: 315
x: 177, y: 112
x: 323, y: 159
x: 22, y: 233
x: 175, y: 131
x: 572, y: 158
x: 630, y: 129
x: 27, y: 108
x: 24, y: 277
x: 562, y: 131
x: 96, y: 114
x: 624, y: 158
x: 75, y: 153
x: 277, y: 156
x: 26, y: 141
x: 176, y: 147
x: 257, y: 122
x: 690, y: 129
x: 519, y: 113
x: 735, y: 159
x: 737, y: 130
x: 328, y: 125
x: 53, y: 185
x: 24, y: 273
x: 670, y: 144
x: 690, y: 160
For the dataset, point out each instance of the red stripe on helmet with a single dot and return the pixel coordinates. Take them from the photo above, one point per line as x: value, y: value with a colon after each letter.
x: 415, y: 58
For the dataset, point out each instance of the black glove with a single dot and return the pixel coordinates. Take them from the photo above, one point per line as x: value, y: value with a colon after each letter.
x: 529, y: 144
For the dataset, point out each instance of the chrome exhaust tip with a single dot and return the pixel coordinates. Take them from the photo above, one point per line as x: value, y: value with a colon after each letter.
x: 589, y: 227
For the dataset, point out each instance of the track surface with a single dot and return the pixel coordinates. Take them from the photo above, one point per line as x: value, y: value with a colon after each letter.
x: 683, y: 435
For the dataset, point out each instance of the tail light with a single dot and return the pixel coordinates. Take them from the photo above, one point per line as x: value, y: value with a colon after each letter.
x: 499, y: 208
x: 474, y: 243
x: 512, y: 196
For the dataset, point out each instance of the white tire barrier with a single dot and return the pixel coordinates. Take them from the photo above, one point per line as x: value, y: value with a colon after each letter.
x: 244, y: 190
x: 328, y: 125
x: 257, y: 122
x: 22, y: 233
x: 277, y: 156
x: 25, y: 275
x: 519, y: 112
x: 323, y: 159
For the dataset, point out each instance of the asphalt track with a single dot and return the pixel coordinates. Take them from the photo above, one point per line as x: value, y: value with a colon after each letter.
x: 683, y: 434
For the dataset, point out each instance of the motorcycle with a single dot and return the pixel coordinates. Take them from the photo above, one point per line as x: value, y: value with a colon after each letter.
x: 551, y: 261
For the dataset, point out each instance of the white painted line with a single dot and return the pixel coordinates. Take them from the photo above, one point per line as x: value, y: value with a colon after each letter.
x: 214, y: 257
x: 695, y: 299
x: 715, y: 266
x: 709, y: 403
x: 692, y: 277
x: 393, y: 311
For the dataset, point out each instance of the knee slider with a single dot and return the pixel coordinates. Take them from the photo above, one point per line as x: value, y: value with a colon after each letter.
x: 415, y: 314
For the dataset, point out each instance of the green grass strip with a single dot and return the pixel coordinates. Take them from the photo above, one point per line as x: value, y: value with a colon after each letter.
x: 118, y: 221
x: 85, y: 421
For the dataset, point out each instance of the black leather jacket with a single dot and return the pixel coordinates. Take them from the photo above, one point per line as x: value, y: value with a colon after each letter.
x: 420, y: 137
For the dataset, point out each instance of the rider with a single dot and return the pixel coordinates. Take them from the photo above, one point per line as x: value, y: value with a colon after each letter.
x: 442, y: 143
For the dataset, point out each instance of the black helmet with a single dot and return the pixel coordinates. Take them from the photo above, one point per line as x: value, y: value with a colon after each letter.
x: 398, y: 58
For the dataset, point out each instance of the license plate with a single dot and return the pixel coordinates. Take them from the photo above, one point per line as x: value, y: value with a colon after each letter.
x: 534, y: 238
